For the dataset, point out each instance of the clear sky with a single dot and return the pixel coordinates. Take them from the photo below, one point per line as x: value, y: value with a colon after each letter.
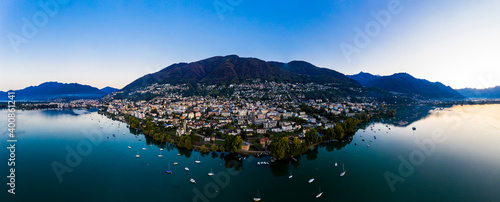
x: 111, y: 43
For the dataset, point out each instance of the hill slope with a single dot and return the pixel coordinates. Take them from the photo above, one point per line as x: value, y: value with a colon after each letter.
x: 235, y: 69
x: 363, y: 78
x: 405, y: 83
x: 54, y: 90
x: 493, y: 92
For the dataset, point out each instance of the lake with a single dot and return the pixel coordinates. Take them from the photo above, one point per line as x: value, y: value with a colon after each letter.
x: 452, y: 155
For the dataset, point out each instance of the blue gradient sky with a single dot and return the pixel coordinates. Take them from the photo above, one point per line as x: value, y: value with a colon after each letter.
x: 111, y: 43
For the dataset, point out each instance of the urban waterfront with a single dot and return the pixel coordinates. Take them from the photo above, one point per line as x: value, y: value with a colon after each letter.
x: 73, y: 155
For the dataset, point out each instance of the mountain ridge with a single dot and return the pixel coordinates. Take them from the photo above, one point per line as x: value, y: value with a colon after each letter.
x: 406, y: 83
x: 235, y: 69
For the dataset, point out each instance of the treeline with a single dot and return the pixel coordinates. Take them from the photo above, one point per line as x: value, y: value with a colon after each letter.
x: 284, y: 147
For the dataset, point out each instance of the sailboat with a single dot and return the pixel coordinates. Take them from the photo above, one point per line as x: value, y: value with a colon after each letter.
x: 311, y: 180
x: 159, y: 155
x: 186, y: 168
x: 144, y: 148
x: 168, y: 171
x: 198, y: 161
x: 335, y: 161
x: 137, y: 156
x: 129, y: 146
x: 258, y: 196
x: 290, y: 176
x: 210, y: 173
x: 320, y: 193
x: 161, y: 149
x: 192, y: 181
x: 342, y: 173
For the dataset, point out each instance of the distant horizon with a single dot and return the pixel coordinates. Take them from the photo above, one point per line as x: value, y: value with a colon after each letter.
x: 112, y: 43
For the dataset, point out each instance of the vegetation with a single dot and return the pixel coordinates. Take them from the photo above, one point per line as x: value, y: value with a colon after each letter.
x: 233, y: 143
x: 280, y: 147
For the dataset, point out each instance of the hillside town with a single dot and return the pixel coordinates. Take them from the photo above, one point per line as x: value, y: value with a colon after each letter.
x: 207, y: 120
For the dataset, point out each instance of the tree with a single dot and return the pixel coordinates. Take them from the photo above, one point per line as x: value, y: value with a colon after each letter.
x: 339, y: 131
x: 233, y: 143
x: 311, y: 136
x: 214, y: 148
x: 185, y: 141
x: 204, y: 149
x: 330, y: 133
x: 295, y: 145
x: 280, y: 147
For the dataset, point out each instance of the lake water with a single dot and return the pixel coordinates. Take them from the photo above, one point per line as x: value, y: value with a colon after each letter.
x: 460, y: 161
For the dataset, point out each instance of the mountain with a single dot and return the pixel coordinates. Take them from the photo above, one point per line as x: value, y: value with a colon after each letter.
x: 235, y: 69
x: 54, y: 90
x: 405, y: 83
x: 108, y: 90
x: 363, y: 78
x: 493, y: 92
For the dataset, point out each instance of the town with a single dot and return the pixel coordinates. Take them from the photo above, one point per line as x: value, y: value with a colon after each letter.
x: 249, y: 118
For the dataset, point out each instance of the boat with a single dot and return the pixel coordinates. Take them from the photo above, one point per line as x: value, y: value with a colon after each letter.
x: 178, y: 154
x: 144, y: 148
x: 290, y: 176
x: 175, y: 163
x: 124, y: 133
x: 210, y: 173
x: 159, y: 155
x: 311, y: 180
x: 192, y: 180
x: 367, y: 145
x: 129, y: 146
x: 375, y: 137
x: 413, y: 128
x: 139, y: 139
x: 342, y: 173
x: 168, y: 171
x: 258, y: 196
x: 137, y: 156
x: 150, y: 145
x: 161, y: 149
x: 186, y: 168
x: 335, y: 161
x: 198, y: 161
x: 320, y: 193
x: 114, y: 135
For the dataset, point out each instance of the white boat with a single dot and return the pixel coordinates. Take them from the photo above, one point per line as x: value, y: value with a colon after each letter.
x: 186, y: 168
x: 192, y: 180
x: 258, y: 196
x: 198, y: 161
x: 311, y: 180
x: 335, y: 161
x: 290, y: 176
x: 342, y: 173
x: 159, y: 155
x: 320, y: 193
x: 161, y: 149
x: 210, y: 173
x: 178, y: 154
x: 137, y: 156
x: 129, y: 146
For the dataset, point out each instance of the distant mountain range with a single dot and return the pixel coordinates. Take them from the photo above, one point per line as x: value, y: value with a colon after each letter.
x: 493, y: 92
x: 109, y: 90
x: 235, y: 69
x: 405, y: 83
x: 55, y: 90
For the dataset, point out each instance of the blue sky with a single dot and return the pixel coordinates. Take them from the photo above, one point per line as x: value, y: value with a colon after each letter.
x: 111, y: 43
